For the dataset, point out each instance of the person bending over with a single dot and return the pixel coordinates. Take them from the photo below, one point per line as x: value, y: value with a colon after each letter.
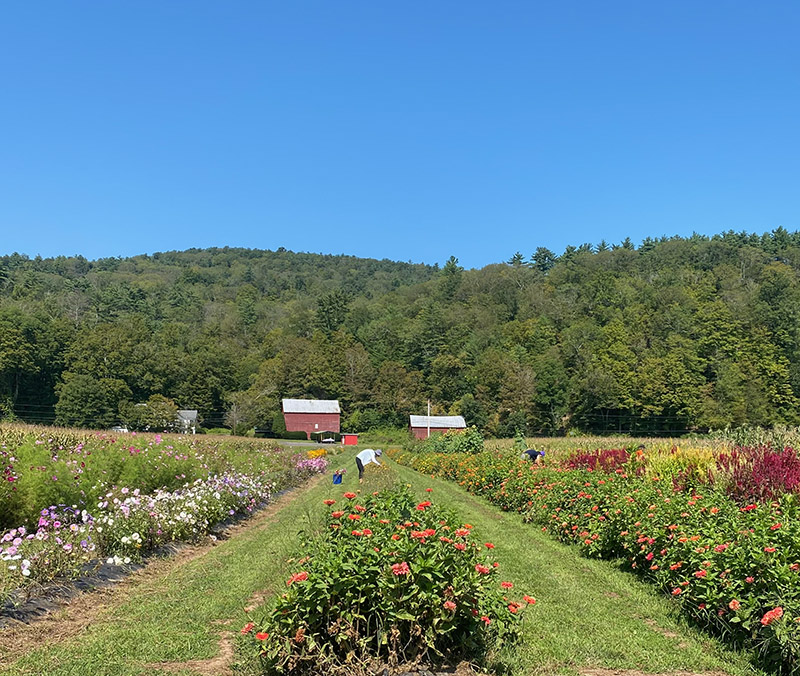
x: 533, y: 455
x: 364, y: 458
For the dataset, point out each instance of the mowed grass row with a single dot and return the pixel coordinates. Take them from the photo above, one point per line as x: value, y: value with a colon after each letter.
x: 589, y: 614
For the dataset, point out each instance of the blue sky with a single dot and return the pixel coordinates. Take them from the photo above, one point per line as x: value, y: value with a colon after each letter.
x: 410, y: 131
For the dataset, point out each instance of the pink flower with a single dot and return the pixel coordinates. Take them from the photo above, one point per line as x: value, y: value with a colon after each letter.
x: 449, y: 605
x: 400, y: 568
x: 506, y: 585
x: 246, y: 629
x: 483, y: 570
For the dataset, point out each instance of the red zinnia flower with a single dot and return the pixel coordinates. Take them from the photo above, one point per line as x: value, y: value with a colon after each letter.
x: 734, y: 605
x: 769, y: 550
x: 513, y: 607
x: 262, y: 636
x: 246, y: 629
x: 349, y: 496
x: 486, y: 619
x: 400, y: 568
x: 529, y: 600
x: 449, y: 605
x: 354, y: 517
x: 506, y: 585
x: 297, y: 577
x: 483, y: 570
x: 329, y: 502
x: 428, y: 490
x: 460, y: 546
x: 677, y: 591
x: 337, y: 515
x: 488, y: 545
x: 772, y: 615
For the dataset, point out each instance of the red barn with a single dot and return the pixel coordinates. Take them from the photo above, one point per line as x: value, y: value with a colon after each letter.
x: 438, y: 423
x: 311, y: 415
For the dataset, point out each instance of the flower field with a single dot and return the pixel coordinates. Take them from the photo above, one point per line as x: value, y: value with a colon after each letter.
x: 717, y: 530
x: 390, y: 580
x: 71, y: 499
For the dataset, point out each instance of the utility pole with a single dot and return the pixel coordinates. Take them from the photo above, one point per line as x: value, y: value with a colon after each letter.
x: 429, y: 419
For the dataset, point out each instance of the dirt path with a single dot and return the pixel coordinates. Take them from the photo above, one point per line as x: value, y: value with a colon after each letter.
x: 77, y: 614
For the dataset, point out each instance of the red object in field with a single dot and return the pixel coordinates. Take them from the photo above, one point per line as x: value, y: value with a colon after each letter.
x: 311, y: 415
x: 349, y: 439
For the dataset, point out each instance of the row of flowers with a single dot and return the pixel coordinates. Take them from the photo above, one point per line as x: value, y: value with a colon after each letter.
x: 733, y: 567
x: 125, y: 524
x: 44, y: 466
x: 389, y: 580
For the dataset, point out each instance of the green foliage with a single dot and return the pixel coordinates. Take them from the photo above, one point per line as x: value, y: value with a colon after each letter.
x: 157, y: 414
x: 676, y: 335
x: 391, y: 580
x: 734, y: 568
x: 469, y: 440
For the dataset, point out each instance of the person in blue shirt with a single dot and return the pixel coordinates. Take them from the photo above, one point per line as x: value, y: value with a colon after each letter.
x: 533, y: 455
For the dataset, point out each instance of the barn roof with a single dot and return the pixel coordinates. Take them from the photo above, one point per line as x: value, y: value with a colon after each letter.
x: 452, y: 421
x: 311, y: 406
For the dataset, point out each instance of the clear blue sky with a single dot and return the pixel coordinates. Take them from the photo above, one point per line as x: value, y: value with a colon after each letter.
x: 404, y: 130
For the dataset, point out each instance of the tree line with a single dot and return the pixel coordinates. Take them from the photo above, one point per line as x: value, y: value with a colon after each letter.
x: 671, y: 335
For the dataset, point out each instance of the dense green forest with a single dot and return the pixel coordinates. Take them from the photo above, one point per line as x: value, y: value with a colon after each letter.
x: 674, y: 334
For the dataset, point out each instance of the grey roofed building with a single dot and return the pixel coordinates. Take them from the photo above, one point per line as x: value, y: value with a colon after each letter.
x: 187, y: 419
x: 311, y: 406
x: 439, y: 421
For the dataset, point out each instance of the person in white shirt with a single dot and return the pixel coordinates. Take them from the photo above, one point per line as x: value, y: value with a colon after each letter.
x: 364, y: 458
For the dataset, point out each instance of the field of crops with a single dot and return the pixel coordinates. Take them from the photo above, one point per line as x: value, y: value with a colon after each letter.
x: 70, y: 499
x: 716, y: 526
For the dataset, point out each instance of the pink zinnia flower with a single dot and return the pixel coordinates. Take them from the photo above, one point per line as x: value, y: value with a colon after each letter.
x: 400, y: 568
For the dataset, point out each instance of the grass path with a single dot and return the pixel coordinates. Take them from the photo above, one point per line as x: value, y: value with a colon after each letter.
x: 174, y: 612
x: 180, y: 617
x: 589, y: 613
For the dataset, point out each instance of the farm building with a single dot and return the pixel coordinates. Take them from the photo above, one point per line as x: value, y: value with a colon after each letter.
x: 311, y: 415
x: 186, y: 420
x: 438, y: 423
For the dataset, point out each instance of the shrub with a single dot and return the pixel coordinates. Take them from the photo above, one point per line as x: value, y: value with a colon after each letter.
x: 389, y: 580
x: 469, y: 440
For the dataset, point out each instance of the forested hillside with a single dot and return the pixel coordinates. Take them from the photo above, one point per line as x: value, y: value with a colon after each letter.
x: 671, y: 335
